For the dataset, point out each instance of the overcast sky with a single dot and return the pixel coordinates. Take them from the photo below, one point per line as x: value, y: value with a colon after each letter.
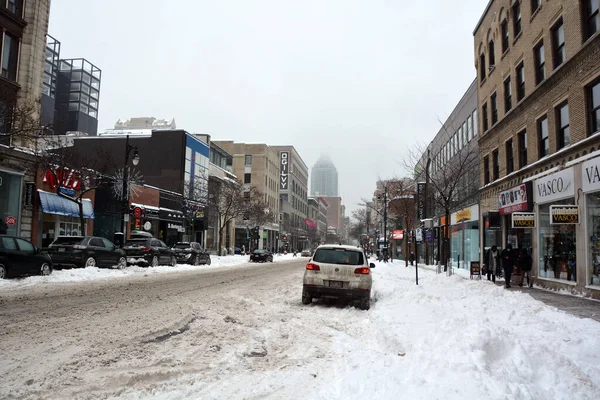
x: 362, y: 80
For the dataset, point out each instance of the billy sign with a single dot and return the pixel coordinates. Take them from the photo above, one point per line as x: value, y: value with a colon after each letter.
x: 557, y: 186
x: 560, y: 214
x: 284, y: 169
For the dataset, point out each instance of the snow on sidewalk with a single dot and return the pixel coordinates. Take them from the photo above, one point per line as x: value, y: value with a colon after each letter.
x: 448, y: 337
x: 95, y: 273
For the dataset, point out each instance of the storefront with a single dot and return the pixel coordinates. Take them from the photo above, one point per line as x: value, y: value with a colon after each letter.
x: 11, y: 188
x: 557, y: 218
x: 590, y: 177
x: 515, y: 206
x: 171, y: 226
x: 60, y: 216
x: 465, y: 236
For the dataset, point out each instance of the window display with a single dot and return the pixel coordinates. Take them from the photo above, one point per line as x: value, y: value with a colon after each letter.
x: 593, y: 226
x: 10, y: 198
x: 557, y: 256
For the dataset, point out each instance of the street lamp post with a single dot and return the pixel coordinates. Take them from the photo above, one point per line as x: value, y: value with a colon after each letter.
x: 385, y: 219
x: 135, y: 160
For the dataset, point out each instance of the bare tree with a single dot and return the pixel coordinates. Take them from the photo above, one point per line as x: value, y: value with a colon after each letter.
x: 20, y: 124
x: 358, y: 224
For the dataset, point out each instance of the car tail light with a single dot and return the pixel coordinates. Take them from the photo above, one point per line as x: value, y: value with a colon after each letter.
x: 313, y: 267
x: 146, y: 249
x: 362, y: 271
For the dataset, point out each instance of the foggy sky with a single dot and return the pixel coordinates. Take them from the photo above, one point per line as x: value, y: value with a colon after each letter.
x: 362, y: 80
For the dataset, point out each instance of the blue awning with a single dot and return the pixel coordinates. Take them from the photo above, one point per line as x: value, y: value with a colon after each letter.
x: 55, y: 204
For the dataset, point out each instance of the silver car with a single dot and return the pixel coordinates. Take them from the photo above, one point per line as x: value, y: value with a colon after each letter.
x: 338, y: 272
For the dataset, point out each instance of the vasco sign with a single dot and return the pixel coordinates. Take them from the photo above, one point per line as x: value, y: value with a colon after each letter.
x: 557, y: 186
x: 284, y: 169
x: 590, y: 175
x: 561, y: 214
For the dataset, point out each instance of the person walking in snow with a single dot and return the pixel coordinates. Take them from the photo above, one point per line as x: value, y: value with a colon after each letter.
x: 411, y: 258
x: 525, y: 263
x: 492, y: 263
x: 508, y: 263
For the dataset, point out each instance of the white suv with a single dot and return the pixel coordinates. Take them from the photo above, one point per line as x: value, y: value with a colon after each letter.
x: 339, y: 272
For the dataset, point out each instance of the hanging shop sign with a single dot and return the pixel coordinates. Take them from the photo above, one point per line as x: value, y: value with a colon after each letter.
x: 556, y: 186
x: 564, y: 214
x: 284, y: 169
x: 421, y: 200
x: 29, y: 191
x: 590, y: 175
x: 518, y: 198
x: 523, y: 220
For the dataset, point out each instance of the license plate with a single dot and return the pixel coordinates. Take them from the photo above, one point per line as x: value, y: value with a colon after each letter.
x: 336, y: 284
x: 61, y: 249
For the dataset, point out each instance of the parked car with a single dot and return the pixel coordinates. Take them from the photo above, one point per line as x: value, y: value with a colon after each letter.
x: 86, y: 251
x: 261, y: 256
x: 191, y: 253
x: 149, y: 251
x: 306, y: 253
x: 338, y: 272
x: 19, y: 257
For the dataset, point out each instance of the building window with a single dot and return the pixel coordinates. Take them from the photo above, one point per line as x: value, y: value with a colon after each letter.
x: 520, y: 81
x: 10, y: 54
x: 510, y: 164
x: 15, y: 7
x: 504, y: 32
x: 494, y: 106
x: 543, y: 143
x: 522, y: 136
x: 592, y: 18
x: 475, y: 123
x: 535, y: 4
x: 540, y: 62
x: 516, y: 13
x: 496, y: 164
x: 507, y: 95
x: 469, y: 128
x: 559, y: 54
x: 482, y: 67
x: 491, y: 53
x: 594, y: 101
x: 486, y: 170
x: 484, y: 116
x: 247, y: 178
x: 562, y: 125
x: 248, y: 160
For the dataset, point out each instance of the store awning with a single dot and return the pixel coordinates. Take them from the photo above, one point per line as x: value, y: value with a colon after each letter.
x: 55, y: 204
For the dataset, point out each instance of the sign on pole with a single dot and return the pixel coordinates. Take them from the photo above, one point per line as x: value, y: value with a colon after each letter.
x: 418, y: 235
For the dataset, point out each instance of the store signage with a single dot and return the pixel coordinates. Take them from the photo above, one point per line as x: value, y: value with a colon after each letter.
x: 463, y: 215
x: 560, y: 214
x: 523, y: 220
x: 171, y: 215
x: 398, y: 235
x: 147, y: 226
x: 475, y: 269
x: 178, y: 228
x: 420, y: 200
x: 10, y: 220
x: 199, y: 214
x: 590, y: 175
x: 67, y: 191
x: 518, y: 198
x: 138, y: 212
x: 284, y: 169
x: 494, y: 221
x: 29, y: 191
x: 67, y: 179
x: 151, y: 213
x: 556, y: 186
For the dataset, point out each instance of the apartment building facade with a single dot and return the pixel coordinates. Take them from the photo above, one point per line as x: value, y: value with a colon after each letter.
x: 539, y: 102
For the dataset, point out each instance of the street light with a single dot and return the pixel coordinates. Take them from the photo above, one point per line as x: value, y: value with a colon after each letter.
x: 135, y: 161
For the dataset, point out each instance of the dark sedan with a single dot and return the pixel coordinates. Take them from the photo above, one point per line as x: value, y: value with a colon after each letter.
x: 191, y: 253
x: 149, y: 252
x: 261, y: 256
x: 20, y: 257
x: 86, y: 251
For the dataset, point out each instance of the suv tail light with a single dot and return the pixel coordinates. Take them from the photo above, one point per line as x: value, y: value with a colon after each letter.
x: 313, y: 267
x: 362, y: 271
x: 146, y: 249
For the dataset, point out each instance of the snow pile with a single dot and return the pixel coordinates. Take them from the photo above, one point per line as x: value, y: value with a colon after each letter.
x: 448, y: 337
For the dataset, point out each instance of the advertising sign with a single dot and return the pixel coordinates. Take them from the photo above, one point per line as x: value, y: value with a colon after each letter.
x: 560, y: 214
x: 523, y: 220
x: 420, y: 200
x: 284, y: 169
x: 590, y: 175
x: 556, y: 186
x: 518, y: 198
x: 29, y: 190
x: 398, y: 235
x: 475, y: 269
x: 418, y: 235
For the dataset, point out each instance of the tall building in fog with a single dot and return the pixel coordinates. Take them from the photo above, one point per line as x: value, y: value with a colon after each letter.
x: 324, y: 178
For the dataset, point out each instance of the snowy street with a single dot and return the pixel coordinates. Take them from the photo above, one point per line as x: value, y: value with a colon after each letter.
x: 241, y: 332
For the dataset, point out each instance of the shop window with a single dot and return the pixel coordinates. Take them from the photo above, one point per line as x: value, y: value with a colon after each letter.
x: 594, y: 106
x: 557, y: 256
x: 10, y: 201
x: 543, y: 142
x: 520, y: 81
x: 563, y: 129
x: 593, y: 223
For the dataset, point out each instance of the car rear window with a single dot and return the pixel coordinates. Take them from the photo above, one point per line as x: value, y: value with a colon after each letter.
x: 182, y: 246
x: 68, y: 240
x: 259, y: 251
x: 136, y: 242
x: 338, y: 256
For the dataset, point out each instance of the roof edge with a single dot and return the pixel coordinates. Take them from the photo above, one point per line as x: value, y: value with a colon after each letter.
x: 487, y: 8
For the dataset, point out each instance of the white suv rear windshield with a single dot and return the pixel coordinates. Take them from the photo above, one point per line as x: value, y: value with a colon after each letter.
x: 338, y: 256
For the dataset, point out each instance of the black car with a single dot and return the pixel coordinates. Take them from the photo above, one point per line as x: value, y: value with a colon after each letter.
x: 149, y: 251
x: 20, y: 257
x: 191, y: 253
x: 261, y: 256
x: 86, y: 251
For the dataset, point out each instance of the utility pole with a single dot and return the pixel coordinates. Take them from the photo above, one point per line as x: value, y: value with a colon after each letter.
x: 425, y: 214
x: 385, y: 218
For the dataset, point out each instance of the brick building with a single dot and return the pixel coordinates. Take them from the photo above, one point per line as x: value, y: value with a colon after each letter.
x: 539, y: 103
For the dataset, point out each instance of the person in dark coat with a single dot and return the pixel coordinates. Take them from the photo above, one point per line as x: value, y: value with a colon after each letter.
x: 508, y: 263
x: 411, y: 258
x: 525, y: 263
x: 493, y: 262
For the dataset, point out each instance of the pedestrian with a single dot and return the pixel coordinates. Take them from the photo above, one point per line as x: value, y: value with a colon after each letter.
x: 492, y: 263
x: 525, y: 263
x: 508, y: 263
x: 411, y: 258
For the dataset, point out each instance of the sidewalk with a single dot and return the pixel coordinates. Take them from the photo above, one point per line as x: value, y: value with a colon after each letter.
x: 579, y: 306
